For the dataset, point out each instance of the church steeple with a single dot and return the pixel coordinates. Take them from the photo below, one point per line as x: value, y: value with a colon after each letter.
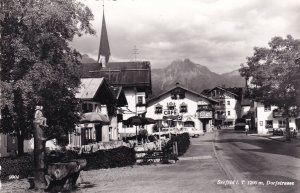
x: 104, y: 44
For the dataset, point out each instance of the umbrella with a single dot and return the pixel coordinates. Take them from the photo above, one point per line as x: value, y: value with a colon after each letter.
x: 94, y: 117
x: 137, y: 120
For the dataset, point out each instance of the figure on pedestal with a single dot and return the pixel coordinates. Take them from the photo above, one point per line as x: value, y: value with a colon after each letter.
x: 39, y: 117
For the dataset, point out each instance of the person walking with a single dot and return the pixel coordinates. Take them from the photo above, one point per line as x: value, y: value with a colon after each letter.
x: 246, y: 129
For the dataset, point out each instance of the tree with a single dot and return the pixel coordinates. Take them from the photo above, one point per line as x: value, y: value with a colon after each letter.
x: 38, y: 67
x: 272, y: 74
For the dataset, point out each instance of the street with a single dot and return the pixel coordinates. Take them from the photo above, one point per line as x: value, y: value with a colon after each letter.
x: 259, y: 162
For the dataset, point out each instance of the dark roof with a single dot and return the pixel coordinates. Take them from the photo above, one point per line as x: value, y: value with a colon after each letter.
x: 236, y: 91
x: 125, y: 74
x: 187, y: 90
x: 119, y: 95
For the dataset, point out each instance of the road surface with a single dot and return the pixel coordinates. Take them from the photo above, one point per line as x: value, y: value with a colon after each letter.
x: 257, y: 164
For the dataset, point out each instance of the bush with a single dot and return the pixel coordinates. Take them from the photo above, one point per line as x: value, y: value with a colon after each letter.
x: 117, y: 157
x: 20, y: 166
x: 23, y: 166
x: 183, y: 142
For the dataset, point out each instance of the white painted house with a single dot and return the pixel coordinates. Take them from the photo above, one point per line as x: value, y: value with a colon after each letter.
x: 229, y: 104
x: 178, y: 105
x: 266, y: 118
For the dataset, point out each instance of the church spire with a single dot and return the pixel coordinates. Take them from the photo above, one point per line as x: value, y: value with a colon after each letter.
x: 104, y: 44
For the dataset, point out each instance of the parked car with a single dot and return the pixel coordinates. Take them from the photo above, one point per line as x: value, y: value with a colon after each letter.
x: 240, y: 124
x: 282, y: 130
x: 193, y: 132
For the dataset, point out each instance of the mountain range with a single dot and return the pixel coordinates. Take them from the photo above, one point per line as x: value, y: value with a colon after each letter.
x: 188, y: 74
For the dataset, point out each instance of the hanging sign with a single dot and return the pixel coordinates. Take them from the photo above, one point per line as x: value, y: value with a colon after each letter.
x: 203, y: 114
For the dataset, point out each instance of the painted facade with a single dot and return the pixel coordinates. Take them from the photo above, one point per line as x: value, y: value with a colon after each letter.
x: 178, y: 105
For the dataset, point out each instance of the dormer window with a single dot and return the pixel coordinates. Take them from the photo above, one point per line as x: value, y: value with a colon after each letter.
x: 158, y: 109
x: 178, y: 93
x: 183, y: 108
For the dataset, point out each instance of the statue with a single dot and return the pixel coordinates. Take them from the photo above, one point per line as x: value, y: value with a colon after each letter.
x: 39, y: 117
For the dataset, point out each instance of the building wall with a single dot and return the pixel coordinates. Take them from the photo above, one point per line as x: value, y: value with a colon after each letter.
x: 132, y: 109
x: 262, y: 116
x: 192, y: 104
x: 231, y: 106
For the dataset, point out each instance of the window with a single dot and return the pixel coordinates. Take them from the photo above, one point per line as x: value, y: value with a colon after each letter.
x: 183, y: 108
x: 269, y: 124
x: 228, y: 113
x: 158, y: 109
x: 171, y: 106
x: 140, y: 100
x: 267, y: 107
x: 87, y: 107
x: 228, y: 102
x: 282, y: 123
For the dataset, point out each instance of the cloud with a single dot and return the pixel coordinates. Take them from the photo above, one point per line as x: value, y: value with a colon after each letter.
x: 216, y: 33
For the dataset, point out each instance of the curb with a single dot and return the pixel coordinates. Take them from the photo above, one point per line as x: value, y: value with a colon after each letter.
x: 223, y: 167
x: 237, y: 188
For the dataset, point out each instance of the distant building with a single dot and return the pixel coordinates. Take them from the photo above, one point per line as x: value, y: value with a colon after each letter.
x: 178, y: 105
x: 228, y: 108
x: 269, y: 117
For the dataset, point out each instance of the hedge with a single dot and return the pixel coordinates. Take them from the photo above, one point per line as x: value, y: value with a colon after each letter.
x: 23, y: 166
x: 20, y: 166
x: 183, y: 142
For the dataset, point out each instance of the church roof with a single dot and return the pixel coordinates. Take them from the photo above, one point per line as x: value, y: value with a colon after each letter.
x: 125, y: 74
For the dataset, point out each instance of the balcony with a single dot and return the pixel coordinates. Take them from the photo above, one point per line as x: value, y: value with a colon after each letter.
x: 220, y: 117
x: 140, y: 104
x: 277, y: 113
x: 219, y: 107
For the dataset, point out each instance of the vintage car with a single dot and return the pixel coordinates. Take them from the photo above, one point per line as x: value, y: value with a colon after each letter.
x: 240, y: 124
x: 193, y: 132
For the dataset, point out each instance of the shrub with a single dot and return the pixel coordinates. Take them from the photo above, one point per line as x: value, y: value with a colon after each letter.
x: 183, y: 142
x: 20, y: 166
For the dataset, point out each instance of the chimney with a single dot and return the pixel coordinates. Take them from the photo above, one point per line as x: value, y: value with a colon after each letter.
x: 177, y: 84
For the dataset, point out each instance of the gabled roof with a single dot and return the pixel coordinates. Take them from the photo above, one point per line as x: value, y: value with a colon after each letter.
x: 95, y: 89
x: 125, y: 74
x: 89, y: 87
x: 224, y: 89
x: 185, y: 89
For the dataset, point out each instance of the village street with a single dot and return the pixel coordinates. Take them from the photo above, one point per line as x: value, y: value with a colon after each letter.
x: 223, y: 161
x: 257, y: 160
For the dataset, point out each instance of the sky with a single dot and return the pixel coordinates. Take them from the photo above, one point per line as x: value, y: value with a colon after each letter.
x: 219, y: 34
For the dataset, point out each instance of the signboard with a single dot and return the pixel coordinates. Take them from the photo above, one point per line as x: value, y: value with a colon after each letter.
x: 170, y: 112
x: 202, y: 103
x: 204, y: 114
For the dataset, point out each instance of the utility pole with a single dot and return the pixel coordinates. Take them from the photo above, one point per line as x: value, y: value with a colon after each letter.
x: 135, y: 52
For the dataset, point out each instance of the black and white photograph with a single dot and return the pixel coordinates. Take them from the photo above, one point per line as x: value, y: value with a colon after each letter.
x: 149, y: 96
